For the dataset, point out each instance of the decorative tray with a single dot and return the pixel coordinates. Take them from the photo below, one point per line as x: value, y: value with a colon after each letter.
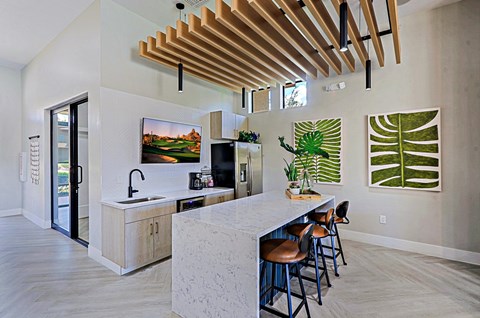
x: 312, y: 195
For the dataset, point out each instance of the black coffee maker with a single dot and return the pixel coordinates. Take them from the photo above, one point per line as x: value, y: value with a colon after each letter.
x: 195, y: 181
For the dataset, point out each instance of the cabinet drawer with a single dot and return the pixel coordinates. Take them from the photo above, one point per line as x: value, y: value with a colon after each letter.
x: 149, y: 211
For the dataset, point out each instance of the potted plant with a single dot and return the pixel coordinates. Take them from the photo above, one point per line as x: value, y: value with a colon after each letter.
x: 291, y: 172
x: 249, y: 136
x: 309, y: 145
x: 294, y: 188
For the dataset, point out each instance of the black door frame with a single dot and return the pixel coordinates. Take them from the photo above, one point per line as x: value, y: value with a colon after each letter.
x: 73, y: 172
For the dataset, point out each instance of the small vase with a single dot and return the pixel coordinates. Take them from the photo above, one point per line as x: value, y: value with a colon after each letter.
x: 306, y: 182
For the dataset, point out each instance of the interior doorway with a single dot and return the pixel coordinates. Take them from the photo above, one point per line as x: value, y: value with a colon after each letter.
x: 69, y: 166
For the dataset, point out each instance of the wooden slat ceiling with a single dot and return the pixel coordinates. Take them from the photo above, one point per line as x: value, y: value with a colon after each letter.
x: 260, y: 43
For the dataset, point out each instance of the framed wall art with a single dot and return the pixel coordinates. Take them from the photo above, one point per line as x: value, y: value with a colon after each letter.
x: 324, y: 170
x: 404, y: 150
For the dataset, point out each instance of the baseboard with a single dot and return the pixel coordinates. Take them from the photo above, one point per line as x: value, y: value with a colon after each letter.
x: 410, y: 246
x: 10, y: 212
x: 83, y: 211
x: 44, y: 224
x: 95, y: 254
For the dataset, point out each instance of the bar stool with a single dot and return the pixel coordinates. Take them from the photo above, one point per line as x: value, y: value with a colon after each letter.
x: 287, y: 253
x: 318, y: 233
x: 340, y: 218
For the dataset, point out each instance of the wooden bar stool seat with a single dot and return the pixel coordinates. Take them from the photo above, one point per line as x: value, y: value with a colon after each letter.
x: 286, y: 253
x: 318, y: 233
x: 281, y: 251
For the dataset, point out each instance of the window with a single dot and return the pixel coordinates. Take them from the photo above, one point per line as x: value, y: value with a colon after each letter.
x: 261, y: 100
x: 295, y: 94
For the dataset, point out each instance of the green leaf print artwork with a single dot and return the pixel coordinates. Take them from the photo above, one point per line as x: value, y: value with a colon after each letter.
x: 404, y: 150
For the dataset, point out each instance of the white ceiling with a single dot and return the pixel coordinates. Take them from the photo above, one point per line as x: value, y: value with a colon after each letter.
x: 27, y: 26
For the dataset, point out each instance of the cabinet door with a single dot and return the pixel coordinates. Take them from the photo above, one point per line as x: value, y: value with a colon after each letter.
x: 229, y: 126
x: 162, y: 236
x: 138, y: 243
x: 219, y: 198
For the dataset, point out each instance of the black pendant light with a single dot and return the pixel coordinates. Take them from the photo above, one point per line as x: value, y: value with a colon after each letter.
x: 368, y: 75
x: 243, y: 98
x: 180, y: 77
x: 180, y: 7
x: 343, y: 27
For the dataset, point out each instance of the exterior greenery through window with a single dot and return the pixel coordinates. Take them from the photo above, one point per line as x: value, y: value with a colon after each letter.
x: 295, y: 94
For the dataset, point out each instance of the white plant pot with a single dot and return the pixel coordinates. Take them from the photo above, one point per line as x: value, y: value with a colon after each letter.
x: 295, y: 191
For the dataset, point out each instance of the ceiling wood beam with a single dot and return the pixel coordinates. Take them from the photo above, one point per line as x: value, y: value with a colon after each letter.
x: 287, y: 31
x: 207, y: 58
x: 162, y: 45
x: 242, y: 10
x: 184, y: 35
x: 393, y: 13
x: 369, y: 14
x: 228, y: 19
x: 190, y: 64
x: 353, y: 33
x: 209, y: 23
x: 143, y: 53
x: 195, y: 28
x: 300, y: 18
x: 320, y: 13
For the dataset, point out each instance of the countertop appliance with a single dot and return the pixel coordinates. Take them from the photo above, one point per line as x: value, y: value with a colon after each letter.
x: 190, y: 204
x: 238, y: 165
x: 195, y: 182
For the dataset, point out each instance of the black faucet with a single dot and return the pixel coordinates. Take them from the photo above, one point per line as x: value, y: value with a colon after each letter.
x: 130, y: 188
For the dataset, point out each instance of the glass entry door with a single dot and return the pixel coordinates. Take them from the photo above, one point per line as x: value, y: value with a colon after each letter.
x: 61, y: 169
x: 67, y: 173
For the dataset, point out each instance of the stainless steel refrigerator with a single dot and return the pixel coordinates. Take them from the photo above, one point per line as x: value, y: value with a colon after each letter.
x: 238, y: 165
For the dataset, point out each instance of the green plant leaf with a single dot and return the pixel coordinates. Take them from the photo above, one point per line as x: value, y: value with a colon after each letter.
x: 404, y: 150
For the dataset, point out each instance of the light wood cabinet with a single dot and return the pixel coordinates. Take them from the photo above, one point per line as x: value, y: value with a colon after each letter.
x: 226, y: 125
x: 135, y: 237
x: 219, y: 198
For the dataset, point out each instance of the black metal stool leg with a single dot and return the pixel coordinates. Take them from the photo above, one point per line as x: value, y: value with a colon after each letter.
x: 340, y: 244
x: 289, y: 296
x: 317, y: 274
x: 334, y: 254
x: 304, y: 295
x: 274, y: 270
x: 320, y: 246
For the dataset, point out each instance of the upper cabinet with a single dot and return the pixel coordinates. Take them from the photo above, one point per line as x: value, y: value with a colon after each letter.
x: 226, y: 125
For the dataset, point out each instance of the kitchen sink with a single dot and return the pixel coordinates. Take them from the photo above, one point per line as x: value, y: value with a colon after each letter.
x: 139, y: 200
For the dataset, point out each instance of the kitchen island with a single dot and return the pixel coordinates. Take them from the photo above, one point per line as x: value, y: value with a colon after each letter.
x: 215, y: 261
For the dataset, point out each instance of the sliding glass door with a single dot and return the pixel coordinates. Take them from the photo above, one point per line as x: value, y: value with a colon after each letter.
x: 69, y: 130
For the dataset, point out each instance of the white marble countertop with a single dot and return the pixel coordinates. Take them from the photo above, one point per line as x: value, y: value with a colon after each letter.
x: 168, y: 197
x: 259, y: 214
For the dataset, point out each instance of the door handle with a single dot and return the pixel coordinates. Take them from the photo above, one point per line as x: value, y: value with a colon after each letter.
x: 249, y: 175
x: 151, y: 228
x: 156, y: 227
x: 80, y: 174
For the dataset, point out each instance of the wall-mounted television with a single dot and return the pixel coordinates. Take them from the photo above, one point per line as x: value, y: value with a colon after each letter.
x: 170, y: 142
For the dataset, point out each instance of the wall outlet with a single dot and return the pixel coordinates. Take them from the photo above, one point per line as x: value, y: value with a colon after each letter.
x: 383, y: 219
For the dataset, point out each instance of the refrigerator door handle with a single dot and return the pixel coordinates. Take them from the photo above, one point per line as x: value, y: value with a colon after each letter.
x: 249, y: 175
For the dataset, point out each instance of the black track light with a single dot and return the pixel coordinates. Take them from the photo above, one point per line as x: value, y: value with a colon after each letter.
x: 368, y: 75
x: 343, y: 27
x: 180, y: 77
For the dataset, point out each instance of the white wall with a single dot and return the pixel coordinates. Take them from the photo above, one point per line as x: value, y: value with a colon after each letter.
x: 440, y: 68
x: 68, y: 67
x: 10, y: 139
x: 121, y: 139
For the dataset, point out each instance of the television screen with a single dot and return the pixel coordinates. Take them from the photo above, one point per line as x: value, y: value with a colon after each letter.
x: 170, y: 142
